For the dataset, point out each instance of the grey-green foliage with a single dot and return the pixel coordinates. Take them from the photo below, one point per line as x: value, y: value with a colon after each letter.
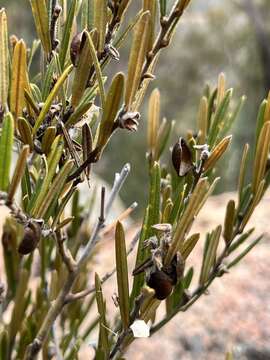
x: 61, y: 121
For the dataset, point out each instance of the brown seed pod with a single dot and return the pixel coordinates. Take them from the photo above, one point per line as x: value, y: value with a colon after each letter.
x: 76, y: 47
x: 182, y: 158
x: 30, y: 240
x: 161, y: 283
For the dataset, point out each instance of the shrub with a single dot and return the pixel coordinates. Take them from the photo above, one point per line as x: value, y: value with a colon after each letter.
x: 50, y: 123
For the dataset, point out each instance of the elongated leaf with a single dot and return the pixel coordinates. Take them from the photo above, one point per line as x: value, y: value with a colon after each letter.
x: 111, y: 109
x: 240, y: 240
x: 196, y: 201
x: 187, y: 247
x: 97, y: 70
x: 51, y: 97
x: 163, y: 137
x: 153, y: 120
x: 260, y: 120
x: 122, y: 274
x: 18, y: 172
x: 151, y: 6
x: 6, y: 143
x: 217, y: 152
x: 25, y: 132
x: 139, y: 279
x: 100, y: 21
x: 162, y: 7
x: 221, y: 88
x: 203, y: 120
x: 242, y: 172
x: 219, y: 117
x: 210, y: 254
x: 103, y: 344
x: 4, y: 59
x: 18, y: 81
x: 40, y: 13
x: 53, y: 160
x: 48, y: 139
x: 229, y: 221
x: 137, y: 57
x: 55, y: 189
x: 87, y: 145
x: 67, y: 33
x: 244, y: 253
x: 261, y: 156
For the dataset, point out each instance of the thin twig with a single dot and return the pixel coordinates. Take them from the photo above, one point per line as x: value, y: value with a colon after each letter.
x: 80, y: 295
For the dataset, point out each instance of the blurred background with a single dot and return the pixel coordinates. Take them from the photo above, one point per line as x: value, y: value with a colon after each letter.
x: 213, y: 36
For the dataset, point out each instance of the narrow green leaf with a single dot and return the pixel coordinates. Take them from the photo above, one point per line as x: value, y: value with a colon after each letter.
x: 261, y: 156
x: 4, y: 59
x: 55, y: 189
x: 98, y: 70
x: 162, y: 7
x: 53, y: 160
x: 103, y: 329
x: 229, y: 221
x: 6, y: 143
x: 137, y: 57
x: 122, y: 274
x: 25, y: 131
x: 41, y: 18
x: 242, y: 173
x: 245, y: 252
x: 196, y: 201
x: 187, y: 247
x: 219, y: 116
x: 100, y: 22
x: 82, y: 72
x: 18, y: 172
x: 153, y: 121
x: 65, y: 43
x: 111, y: 109
x: 48, y: 139
x: 51, y: 97
x: 242, y: 238
x: 210, y: 254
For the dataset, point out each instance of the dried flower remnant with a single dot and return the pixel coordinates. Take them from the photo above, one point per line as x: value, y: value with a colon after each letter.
x: 129, y: 120
x: 31, y: 238
x: 182, y: 158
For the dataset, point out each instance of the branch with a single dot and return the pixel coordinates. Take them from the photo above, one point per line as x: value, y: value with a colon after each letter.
x: 57, y: 305
x: 80, y: 295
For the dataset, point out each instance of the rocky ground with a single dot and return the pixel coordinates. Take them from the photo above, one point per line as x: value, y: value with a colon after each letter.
x: 235, y: 316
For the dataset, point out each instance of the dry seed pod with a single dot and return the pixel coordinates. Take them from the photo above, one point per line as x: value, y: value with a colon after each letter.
x: 182, y: 158
x: 30, y: 240
x: 161, y: 283
x: 75, y: 48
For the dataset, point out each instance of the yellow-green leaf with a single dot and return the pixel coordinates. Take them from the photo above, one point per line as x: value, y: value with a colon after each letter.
x: 111, y: 108
x: 122, y: 274
x: 19, y: 80
x: 153, y: 120
x: 18, y: 172
x: 217, y: 152
x: 100, y: 22
x: 82, y: 72
x: 25, y: 131
x: 6, y: 143
x: 51, y: 97
x: 41, y: 18
x: 137, y: 57
x: 4, y: 59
